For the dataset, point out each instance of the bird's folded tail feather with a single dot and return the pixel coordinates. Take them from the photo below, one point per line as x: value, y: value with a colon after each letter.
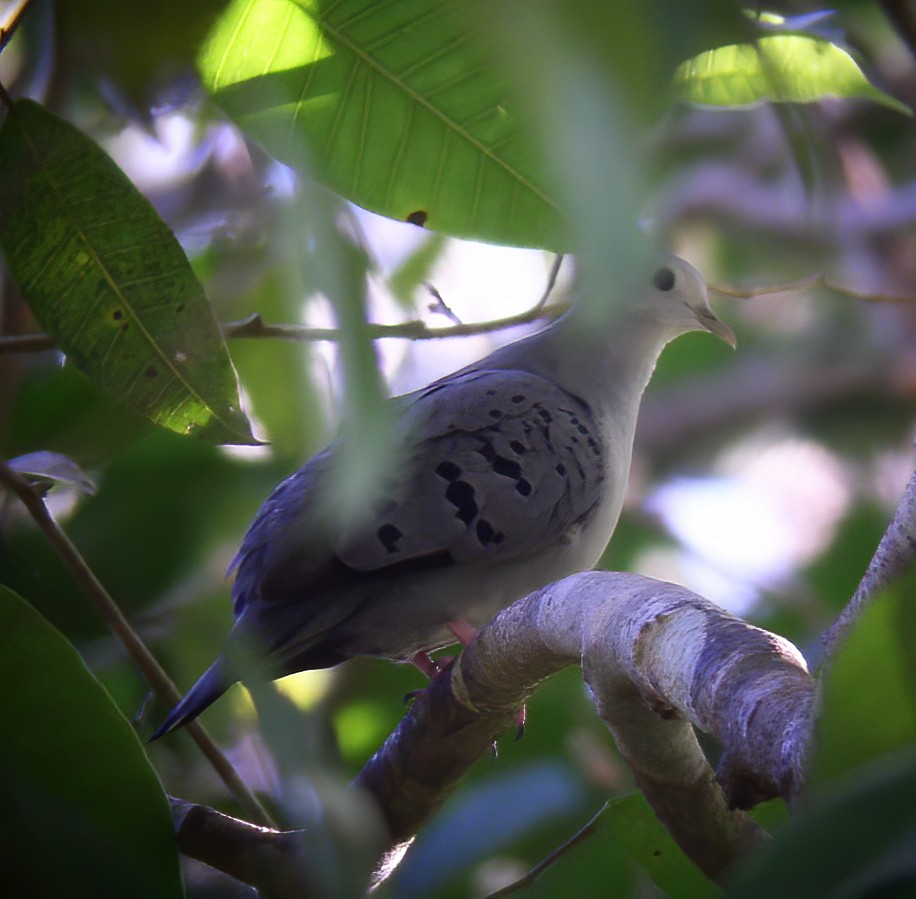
x: 209, y: 687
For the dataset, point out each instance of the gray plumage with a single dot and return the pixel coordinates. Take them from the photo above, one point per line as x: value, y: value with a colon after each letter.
x: 511, y: 475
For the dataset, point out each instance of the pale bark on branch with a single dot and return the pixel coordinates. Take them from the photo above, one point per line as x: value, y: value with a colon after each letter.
x: 658, y: 660
x: 895, y: 554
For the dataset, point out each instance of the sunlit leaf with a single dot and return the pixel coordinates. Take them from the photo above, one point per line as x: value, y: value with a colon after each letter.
x: 393, y: 105
x: 781, y: 68
x: 106, y: 277
x: 635, y: 827
x: 86, y: 813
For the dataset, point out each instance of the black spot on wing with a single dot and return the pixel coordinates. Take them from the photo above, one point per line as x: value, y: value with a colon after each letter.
x: 461, y: 495
x: 448, y: 470
x: 389, y: 535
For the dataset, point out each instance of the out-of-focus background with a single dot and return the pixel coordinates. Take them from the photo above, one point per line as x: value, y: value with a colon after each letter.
x: 762, y: 479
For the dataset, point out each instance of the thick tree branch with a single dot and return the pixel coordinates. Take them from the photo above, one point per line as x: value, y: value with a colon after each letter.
x: 896, y: 552
x: 658, y: 660
x: 277, y: 863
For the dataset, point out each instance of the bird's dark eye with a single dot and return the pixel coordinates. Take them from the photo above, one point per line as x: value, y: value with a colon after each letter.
x: 663, y: 279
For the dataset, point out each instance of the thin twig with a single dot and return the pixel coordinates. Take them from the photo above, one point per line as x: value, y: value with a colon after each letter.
x: 895, y: 554
x: 152, y: 671
x: 586, y: 830
x: 254, y: 326
x: 809, y: 282
x: 551, y: 282
x: 8, y: 28
x: 441, y: 306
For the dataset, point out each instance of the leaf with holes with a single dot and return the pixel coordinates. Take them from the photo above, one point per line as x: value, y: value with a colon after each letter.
x: 393, y: 105
x: 105, y: 276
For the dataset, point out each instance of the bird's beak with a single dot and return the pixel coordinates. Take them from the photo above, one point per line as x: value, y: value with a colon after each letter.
x: 716, y: 326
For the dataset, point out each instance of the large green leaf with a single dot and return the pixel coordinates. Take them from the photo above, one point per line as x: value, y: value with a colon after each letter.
x: 859, y: 842
x: 393, y: 105
x: 782, y: 68
x: 85, y: 813
x: 635, y: 827
x: 868, y: 695
x: 106, y: 277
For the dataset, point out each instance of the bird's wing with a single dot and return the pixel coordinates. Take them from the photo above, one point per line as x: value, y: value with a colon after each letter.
x: 498, y: 464
x: 492, y: 465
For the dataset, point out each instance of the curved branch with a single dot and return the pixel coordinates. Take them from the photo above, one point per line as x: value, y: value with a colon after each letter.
x: 810, y: 282
x: 658, y: 660
x: 277, y: 863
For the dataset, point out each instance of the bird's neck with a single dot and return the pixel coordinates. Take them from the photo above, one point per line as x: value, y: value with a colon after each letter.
x: 609, y: 365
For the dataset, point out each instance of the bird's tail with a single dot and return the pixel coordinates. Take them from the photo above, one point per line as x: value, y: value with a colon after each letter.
x: 209, y: 687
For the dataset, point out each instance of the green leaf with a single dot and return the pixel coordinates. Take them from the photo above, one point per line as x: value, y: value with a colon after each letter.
x: 634, y: 826
x: 859, y: 842
x: 85, y: 812
x: 783, y: 68
x: 395, y: 106
x: 868, y: 706
x: 105, y: 276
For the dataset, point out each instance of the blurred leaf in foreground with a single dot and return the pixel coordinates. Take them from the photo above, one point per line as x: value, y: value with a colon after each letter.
x: 87, y: 815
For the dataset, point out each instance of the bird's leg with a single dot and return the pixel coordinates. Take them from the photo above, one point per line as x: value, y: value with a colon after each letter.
x: 424, y: 663
x: 464, y: 633
x: 432, y: 668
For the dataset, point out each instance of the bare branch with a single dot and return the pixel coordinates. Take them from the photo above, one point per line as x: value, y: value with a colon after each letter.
x: 14, y: 15
x: 809, y: 282
x: 896, y: 552
x: 254, y: 327
x: 160, y: 683
x: 658, y: 659
x: 551, y: 281
x: 275, y: 862
x: 585, y: 831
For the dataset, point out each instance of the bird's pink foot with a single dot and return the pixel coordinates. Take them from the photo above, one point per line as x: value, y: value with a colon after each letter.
x: 432, y: 668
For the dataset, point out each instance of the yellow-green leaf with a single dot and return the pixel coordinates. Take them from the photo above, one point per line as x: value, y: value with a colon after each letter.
x: 393, y: 105
x: 107, y: 278
x: 782, y: 68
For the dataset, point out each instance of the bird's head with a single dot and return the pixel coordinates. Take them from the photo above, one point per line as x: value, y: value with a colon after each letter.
x: 676, y: 294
